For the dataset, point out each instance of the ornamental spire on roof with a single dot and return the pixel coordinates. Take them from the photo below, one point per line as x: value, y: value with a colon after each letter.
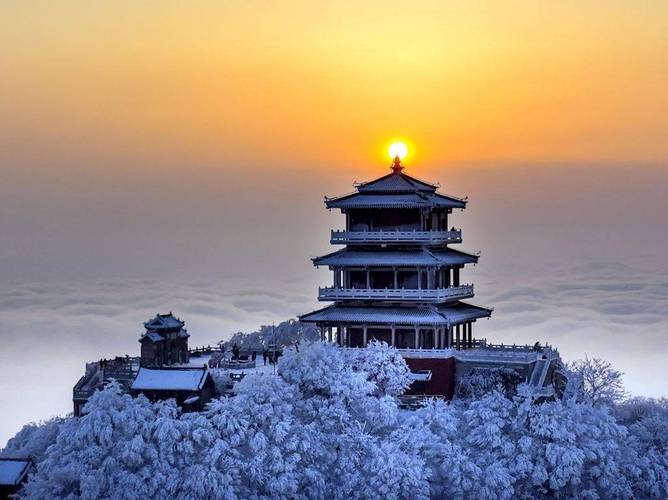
x: 397, y: 167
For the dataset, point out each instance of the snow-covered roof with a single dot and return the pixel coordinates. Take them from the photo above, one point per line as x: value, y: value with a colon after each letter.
x: 396, y: 182
x: 170, y: 379
x: 13, y: 470
x: 395, y: 200
x: 164, y: 321
x: 459, y: 312
x: 153, y: 336
x: 353, y: 314
x: 349, y: 257
x: 450, y: 314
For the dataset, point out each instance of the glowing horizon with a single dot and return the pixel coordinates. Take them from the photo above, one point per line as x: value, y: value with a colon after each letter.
x: 236, y: 83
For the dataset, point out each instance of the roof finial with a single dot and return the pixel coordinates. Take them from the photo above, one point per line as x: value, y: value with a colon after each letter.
x: 397, y: 167
x: 398, y: 150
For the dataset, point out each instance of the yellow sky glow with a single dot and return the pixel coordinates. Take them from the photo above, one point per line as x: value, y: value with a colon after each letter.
x: 309, y: 83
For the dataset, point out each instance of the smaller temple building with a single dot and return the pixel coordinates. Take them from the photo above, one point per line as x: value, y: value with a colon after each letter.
x: 165, y: 341
x: 192, y: 388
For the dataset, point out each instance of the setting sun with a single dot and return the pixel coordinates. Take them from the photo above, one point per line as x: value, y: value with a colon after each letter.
x: 398, y: 149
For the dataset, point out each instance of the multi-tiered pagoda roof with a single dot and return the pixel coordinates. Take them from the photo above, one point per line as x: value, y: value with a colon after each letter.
x: 397, y: 279
x: 395, y: 190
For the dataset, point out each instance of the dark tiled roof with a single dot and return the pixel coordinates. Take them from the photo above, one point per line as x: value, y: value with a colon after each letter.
x: 395, y: 200
x: 348, y: 257
x: 395, y: 190
x: 444, y: 315
x: 396, y: 182
x: 164, y: 321
x: 153, y: 337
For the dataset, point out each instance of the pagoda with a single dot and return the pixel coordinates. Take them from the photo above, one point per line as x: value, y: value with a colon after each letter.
x: 165, y: 341
x: 397, y: 279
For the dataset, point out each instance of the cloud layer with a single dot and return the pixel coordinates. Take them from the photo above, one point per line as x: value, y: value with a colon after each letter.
x: 48, y: 331
x: 601, y: 309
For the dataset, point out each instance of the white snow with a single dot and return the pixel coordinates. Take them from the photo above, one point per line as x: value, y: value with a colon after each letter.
x: 11, y: 471
x: 191, y: 379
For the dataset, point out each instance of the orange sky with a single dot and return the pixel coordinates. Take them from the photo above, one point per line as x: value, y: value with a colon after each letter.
x: 171, y: 85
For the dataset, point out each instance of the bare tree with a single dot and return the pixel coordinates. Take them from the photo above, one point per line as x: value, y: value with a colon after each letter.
x: 600, y: 382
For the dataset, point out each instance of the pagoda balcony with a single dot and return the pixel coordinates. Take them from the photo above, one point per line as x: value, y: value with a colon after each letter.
x: 435, y: 295
x: 396, y: 237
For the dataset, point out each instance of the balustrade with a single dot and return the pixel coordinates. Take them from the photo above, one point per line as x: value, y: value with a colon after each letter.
x: 425, y: 237
x: 410, y: 294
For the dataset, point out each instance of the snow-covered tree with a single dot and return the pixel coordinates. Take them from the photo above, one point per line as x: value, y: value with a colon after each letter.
x: 321, y: 428
x: 478, y: 382
x: 600, y: 382
x: 384, y: 366
x: 33, y: 439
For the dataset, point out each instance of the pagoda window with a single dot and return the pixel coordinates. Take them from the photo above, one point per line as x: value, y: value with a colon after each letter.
x: 387, y: 219
x: 382, y: 279
x: 359, y: 220
x: 382, y: 334
x: 396, y: 219
x: 426, y: 340
x: 357, y: 279
x: 356, y: 337
x: 422, y: 279
x: 435, y: 222
x: 405, y: 338
x: 407, y: 279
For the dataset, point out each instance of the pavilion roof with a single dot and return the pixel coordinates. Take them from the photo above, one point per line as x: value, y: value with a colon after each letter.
x: 164, y: 321
x: 170, y: 379
x: 396, y: 182
x: 152, y: 336
x: 395, y: 200
x: 450, y: 314
x: 423, y: 257
x: 13, y: 470
x: 395, y: 190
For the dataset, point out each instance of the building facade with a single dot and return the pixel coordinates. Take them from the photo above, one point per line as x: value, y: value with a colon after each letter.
x: 165, y: 341
x: 397, y: 279
x: 191, y: 387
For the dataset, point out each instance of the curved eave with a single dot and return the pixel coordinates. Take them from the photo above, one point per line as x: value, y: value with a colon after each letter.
x: 376, y: 258
x: 450, y: 314
x: 395, y: 200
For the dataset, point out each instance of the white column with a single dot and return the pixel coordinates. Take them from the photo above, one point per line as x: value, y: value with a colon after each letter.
x: 394, y: 343
x: 368, y: 278
x: 396, y: 282
x: 419, y: 278
x: 417, y: 337
x: 364, y: 337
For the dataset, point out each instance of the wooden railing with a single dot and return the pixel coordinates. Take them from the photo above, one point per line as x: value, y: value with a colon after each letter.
x: 411, y: 294
x: 425, y: 237
x: 208, y: 349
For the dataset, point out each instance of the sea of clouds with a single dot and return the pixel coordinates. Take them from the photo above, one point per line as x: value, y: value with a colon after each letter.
x: 603, y: 309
